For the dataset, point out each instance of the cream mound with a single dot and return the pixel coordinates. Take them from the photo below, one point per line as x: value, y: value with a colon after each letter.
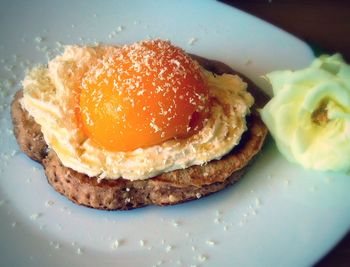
x: 49, y: 94
x: 309, y: 115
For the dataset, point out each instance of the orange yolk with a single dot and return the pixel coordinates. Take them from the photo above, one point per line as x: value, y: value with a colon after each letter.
x: 142, y: 95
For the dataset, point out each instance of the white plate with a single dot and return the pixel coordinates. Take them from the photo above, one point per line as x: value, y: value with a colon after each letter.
x: 278, y: 215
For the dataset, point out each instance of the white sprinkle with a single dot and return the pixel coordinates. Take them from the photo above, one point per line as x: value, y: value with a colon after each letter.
x: 115, y: 244
x: 127, y: 200
x: 79, y: 251
x: 210, y: 242
x: 142, y: 243
x: 176, y: 224
x: 49, y: 203
x: 63, y: 209
x: 192, y: 40
x: 169, y: 248
x: 217, y: 220
x: 34, y: 169
x: 127, y: 189
x: 257, y: 202
x: 38, y: 39
x: 54, y: 244
x: 120, y: 28
x: 35, y: 216
x: 202, y: 258
x: 198, y: 195
x: 218, y: 213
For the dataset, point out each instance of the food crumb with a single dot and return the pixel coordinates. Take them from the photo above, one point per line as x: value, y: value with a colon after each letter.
x: 142, y: 242
x: 49, y: 203
x: 169, y: 248
x: 192, y: 40
x: 35, y: 216
x: 14, y: 224
x: 38, y: 39
x: 210, y: 242
x: 175, y: 223
x: 115, y: 244
x: 55, y: 245
x: 257, y: 202
x: 217, y: 220
x: 79, y: 251
x: 120, y: 28
x: 202, y: 258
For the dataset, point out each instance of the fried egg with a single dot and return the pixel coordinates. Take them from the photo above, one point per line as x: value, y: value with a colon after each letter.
x: 135, y: 111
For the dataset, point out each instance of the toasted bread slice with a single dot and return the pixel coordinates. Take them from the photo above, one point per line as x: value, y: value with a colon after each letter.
x: 166, y: 189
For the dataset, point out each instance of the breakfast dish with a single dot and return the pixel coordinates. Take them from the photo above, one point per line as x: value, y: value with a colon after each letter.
x: 277, y: 207
x: 185, y: 135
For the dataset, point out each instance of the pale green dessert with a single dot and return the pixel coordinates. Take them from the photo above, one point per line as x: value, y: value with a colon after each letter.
x: 309, y: 115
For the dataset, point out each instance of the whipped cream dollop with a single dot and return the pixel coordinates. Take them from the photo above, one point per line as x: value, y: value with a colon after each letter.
x: 309, y: 114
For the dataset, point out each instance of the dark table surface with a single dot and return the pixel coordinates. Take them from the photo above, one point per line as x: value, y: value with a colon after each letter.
x: 326, y: 24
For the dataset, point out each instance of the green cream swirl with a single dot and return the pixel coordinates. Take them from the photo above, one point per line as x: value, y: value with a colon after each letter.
x: 309, y: 115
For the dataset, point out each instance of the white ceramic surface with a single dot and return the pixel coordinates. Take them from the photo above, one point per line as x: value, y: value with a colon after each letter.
x: 278, y: 215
